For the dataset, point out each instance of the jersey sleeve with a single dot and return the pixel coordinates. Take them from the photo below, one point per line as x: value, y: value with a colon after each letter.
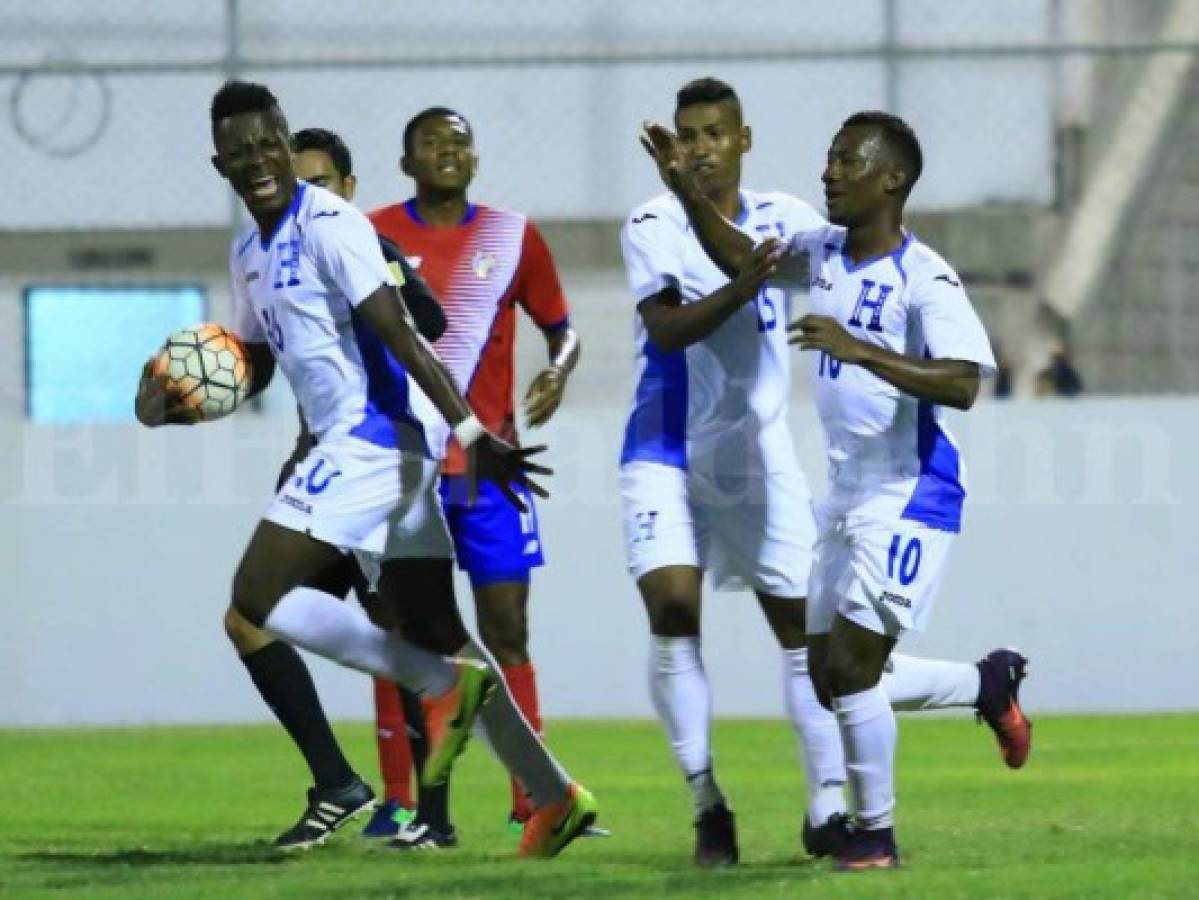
x: 541, y: 291
x: 245, y: 321
x: 426, y: 311
x: 649, y: 242
x: 346, y: 249
x: 951, y: 327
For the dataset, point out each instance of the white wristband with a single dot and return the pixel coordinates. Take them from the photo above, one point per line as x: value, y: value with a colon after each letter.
x: 469, y: 430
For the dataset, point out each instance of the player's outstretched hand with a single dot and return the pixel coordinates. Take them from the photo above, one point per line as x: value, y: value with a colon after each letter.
x: 497, y: 461
x: 826, y: 334
x: 664, y: 148
x: 155, y: 405
x: 544, y: 396
x: 761, y: 266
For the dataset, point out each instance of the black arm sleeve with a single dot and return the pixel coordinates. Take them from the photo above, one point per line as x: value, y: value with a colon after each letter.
x: 426, y: 311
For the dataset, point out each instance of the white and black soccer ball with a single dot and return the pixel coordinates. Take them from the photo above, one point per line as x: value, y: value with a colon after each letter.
x: 208, y: 368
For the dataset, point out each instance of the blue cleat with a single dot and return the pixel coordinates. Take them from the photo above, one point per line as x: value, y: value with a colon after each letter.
x: 390, y: 816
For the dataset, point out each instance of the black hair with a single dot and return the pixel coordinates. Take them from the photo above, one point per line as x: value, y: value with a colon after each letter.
x: 433, y: 112
x: 327, y: 142
x: 900, y: 140
x: 237, y: 97
x: 707, y: 90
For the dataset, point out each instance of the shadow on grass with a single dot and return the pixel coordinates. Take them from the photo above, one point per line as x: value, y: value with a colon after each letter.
x: 221, y: 854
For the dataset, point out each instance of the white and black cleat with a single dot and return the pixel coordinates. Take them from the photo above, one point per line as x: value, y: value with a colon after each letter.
x: 327, y: 811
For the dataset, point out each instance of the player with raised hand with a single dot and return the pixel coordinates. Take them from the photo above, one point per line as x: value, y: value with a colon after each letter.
x: 312, y: 290
x: 895, y: 339
x: 482, y: 262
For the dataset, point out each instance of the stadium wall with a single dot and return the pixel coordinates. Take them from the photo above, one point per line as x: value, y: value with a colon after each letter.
x: 119, y: 544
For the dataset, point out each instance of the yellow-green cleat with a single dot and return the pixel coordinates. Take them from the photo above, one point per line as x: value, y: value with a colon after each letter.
x: 449, y: 718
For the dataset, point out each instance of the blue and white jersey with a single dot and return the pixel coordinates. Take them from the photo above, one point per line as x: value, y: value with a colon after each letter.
x: 880, y: 439
x: 729, y: 389
x: 297, y: 290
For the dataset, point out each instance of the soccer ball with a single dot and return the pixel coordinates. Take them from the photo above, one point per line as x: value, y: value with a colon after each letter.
x: 208, y: 369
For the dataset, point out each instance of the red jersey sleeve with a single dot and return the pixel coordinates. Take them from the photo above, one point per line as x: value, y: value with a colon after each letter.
x: 539, y: 291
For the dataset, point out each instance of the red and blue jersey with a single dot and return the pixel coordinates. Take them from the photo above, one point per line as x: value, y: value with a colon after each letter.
x: 480, y: 270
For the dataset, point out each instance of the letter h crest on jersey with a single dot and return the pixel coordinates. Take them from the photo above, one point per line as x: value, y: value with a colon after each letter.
x: 289, y: 264
x: 871, y: 304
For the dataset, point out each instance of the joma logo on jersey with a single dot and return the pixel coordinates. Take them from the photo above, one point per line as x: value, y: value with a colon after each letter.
x: 483, y: 263
x: 873, y: 304
x: 289, y: 264
x: 823, y: 283
x: 897, y: 599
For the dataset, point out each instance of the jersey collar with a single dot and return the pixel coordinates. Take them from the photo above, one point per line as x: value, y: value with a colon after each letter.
x: 896, y: 255
x: 297, y: 198
x: 467, y: 217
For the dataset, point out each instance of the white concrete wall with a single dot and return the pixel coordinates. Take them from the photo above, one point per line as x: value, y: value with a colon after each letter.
x: 118, y: 544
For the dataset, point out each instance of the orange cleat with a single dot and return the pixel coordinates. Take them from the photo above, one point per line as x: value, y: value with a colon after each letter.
x: 552, y: 827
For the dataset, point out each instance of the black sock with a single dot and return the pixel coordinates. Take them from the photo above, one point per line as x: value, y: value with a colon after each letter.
x: 285, y: 684
x: 432, y: 804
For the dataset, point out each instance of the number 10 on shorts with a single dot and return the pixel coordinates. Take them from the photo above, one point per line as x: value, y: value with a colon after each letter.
x: 907, y: 558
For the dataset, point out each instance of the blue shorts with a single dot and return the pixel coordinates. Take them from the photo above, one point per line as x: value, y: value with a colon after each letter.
x: 494, y: 541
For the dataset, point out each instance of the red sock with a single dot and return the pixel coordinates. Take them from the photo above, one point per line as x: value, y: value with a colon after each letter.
x: 391, y: 734
x: 522, y: 682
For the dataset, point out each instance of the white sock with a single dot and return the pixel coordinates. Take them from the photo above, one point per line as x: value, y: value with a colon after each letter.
x: 679, y: 688
x: 819, y: 736
x: 912, y: 683
x: 339, y: 631
x: 869, y: 733
x: 514, y: 741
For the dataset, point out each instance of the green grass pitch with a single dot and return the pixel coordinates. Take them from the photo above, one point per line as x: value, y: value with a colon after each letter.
x: 1107, y: 806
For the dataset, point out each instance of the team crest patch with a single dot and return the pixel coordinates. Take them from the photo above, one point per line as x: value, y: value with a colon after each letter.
x: 483, y: 263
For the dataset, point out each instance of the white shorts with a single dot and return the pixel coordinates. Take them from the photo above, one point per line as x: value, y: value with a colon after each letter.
x: 357, y: 496
x: 758, y: 536
x: 880, y: 572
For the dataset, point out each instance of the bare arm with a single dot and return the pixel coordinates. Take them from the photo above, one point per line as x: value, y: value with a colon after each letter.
x: 673, y: 325
x: 547, y: 389
x: 384, y: 312
x: 262, y: 368
x: 944, y: 382
x: 726, y: 244
x: 487, y: 456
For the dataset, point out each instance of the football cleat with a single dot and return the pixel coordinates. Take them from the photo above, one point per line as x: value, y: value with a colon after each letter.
x: 552, y: 827
x: 416, y: 835
x: 448, y: 719
x: 716, y: 837
x: 828, y: 839
x: 1000, y: 673
x: 389, y: 817
x: 327, y: 811
x: 874, y: 849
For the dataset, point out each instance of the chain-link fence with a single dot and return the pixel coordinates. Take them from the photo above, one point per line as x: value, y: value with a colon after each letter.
x: 1017, y: 105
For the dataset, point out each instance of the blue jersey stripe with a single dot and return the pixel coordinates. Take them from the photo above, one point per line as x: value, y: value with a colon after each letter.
x: 938, y: 497
x: 386, y: 396
x: 657, y: 429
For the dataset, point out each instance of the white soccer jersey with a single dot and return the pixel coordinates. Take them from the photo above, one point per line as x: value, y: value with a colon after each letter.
x: 733, y: 383
x: 296, y: 290
x: 911, y: 302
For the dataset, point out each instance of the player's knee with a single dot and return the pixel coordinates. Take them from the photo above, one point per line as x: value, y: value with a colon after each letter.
x: 674, y: 616
x: 505, y: 633
x: 245, y: 637
x: 845, y: 674
x: 254, y: 595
